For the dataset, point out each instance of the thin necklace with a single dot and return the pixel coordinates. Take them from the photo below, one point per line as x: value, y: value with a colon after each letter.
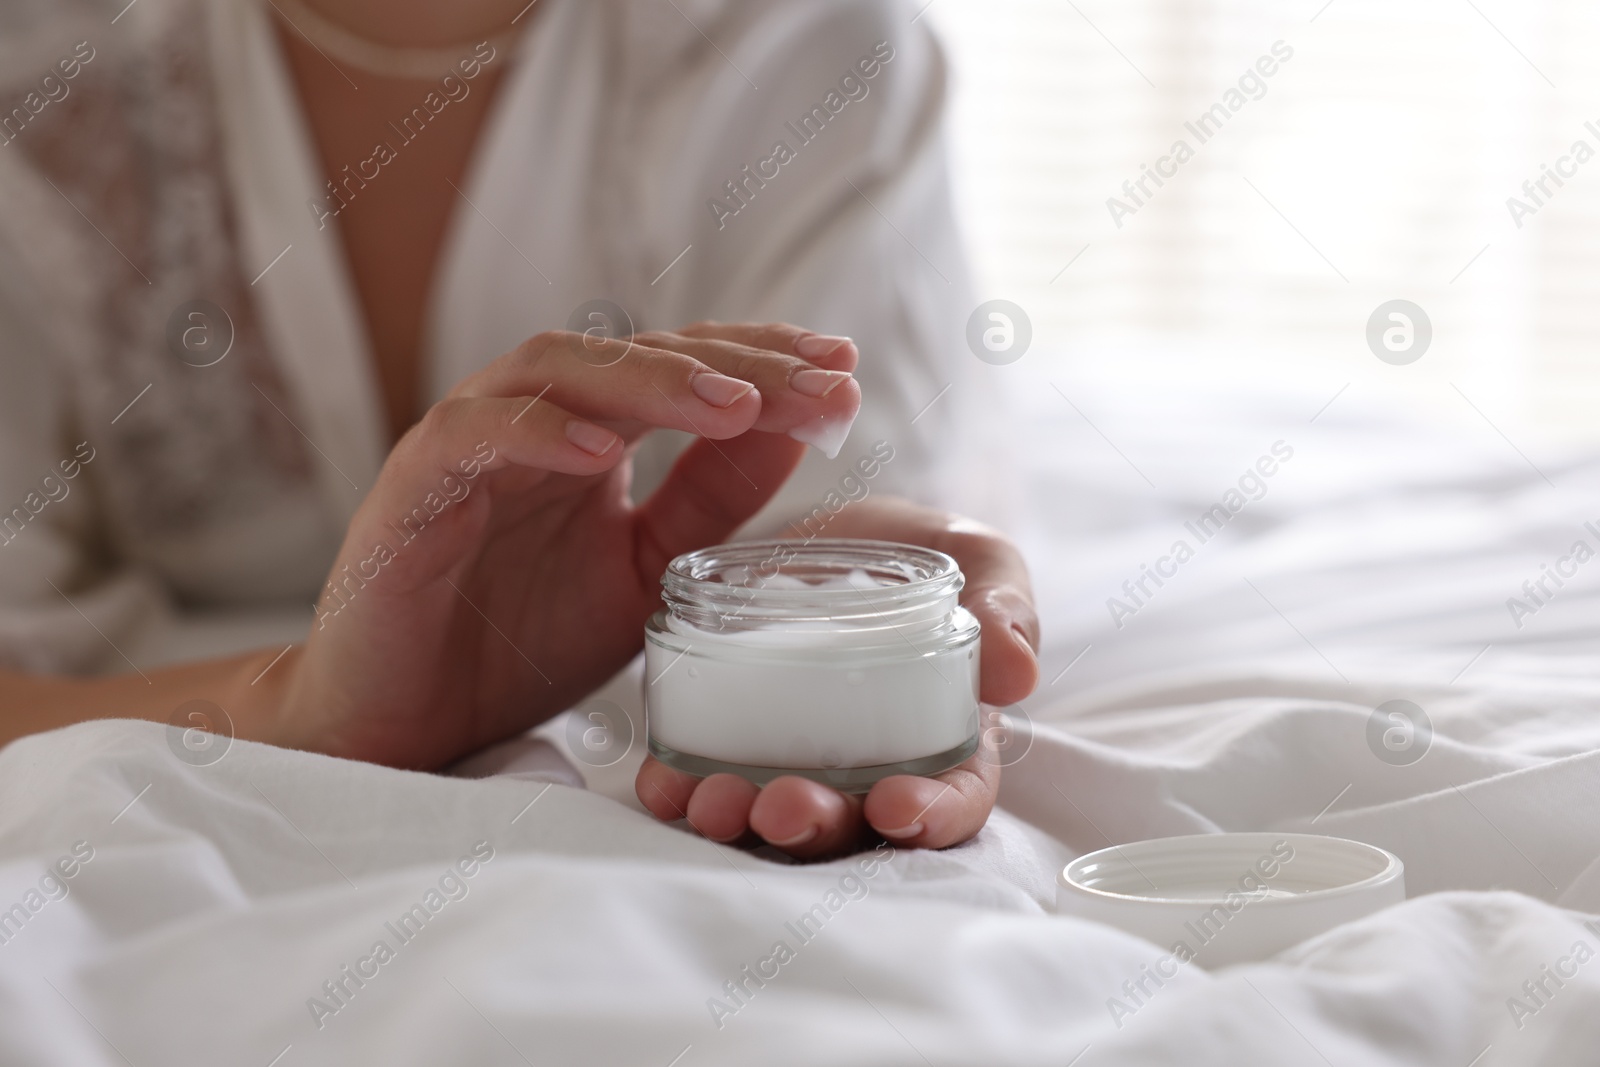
x: 385, y: 60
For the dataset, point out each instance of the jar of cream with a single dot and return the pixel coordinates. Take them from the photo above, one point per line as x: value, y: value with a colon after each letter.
x: 837, y: 660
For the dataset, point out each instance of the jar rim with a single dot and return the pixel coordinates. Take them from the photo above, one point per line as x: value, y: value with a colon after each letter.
x: 915, y: 577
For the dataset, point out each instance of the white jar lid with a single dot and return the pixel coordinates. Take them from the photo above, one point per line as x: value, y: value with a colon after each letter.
x: 1218, y: 899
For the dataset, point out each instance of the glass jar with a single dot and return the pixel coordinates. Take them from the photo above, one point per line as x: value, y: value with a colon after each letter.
x: 842, y: 661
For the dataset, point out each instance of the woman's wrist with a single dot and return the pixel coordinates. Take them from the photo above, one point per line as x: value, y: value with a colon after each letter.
x: 249, y: 690
x: 255, y: 696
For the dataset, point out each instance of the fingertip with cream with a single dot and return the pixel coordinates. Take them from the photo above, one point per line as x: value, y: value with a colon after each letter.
x: 824, y: 434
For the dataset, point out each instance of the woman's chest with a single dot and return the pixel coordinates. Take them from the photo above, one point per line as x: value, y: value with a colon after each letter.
x: 394, y: 155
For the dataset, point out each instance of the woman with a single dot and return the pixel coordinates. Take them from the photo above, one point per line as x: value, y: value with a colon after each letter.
x: 273, y: 275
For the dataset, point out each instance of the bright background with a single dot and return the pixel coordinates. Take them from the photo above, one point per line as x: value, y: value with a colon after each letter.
x: 1390, y: 141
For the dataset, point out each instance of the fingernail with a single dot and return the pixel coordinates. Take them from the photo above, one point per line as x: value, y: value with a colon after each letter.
x: 798, y: 839
x: 1022, y: 637
x: 719, y: 390
x: 818, y: 345
x: 903, y: 832
x: 818, y: 383
x: 595, y: 440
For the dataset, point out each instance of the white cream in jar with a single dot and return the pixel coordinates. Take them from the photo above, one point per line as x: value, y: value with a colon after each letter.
x: 843, y: 661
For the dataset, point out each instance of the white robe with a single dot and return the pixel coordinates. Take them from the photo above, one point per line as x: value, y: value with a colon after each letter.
x: 179, y: 167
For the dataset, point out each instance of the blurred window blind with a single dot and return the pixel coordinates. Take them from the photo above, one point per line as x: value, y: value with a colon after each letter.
x: 1375, y: 163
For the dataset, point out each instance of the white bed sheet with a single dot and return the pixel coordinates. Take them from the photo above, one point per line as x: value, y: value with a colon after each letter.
x: 1378, y: 564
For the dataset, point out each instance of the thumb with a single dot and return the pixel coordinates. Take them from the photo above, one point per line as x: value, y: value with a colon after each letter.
x: 710, y: 492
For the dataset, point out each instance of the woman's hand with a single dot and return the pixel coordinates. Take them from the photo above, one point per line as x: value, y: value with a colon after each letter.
x: 497, y: 572
x: 808, y: 819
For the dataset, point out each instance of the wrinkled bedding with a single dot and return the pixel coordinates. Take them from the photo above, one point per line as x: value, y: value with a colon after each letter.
x: 233, y: 913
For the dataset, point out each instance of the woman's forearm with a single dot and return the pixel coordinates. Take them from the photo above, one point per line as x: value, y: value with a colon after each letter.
x: 249, y: 688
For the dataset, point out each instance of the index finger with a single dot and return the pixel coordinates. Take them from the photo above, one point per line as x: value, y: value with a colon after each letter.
x: 998, y: 590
